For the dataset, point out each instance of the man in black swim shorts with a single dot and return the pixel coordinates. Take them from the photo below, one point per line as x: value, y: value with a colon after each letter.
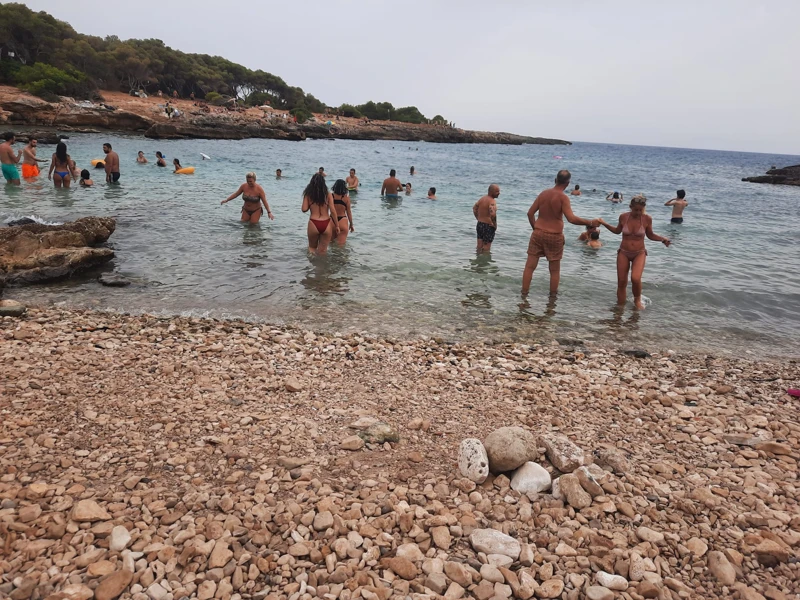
x: 485, y: 211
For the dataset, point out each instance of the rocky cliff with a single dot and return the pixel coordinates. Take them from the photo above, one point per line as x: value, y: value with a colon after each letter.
x: 784, y: 176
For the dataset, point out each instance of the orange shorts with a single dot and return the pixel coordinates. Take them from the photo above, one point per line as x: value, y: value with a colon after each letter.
x: 549, y: 245
x: 30, y: 171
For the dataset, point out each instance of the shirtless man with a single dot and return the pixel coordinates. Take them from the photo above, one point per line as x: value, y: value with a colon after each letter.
x: 112, y: 164
x: 391, y: 185
x: 547, y: 239
x: 485, y: 210
x: 432, y: 193
x: 30, y: 164
x: 278, y: 173
x: 576, y: 191
x: 322, y: 172
x: 678, y: 205
x: 594, y: 240
x: 352, y: 181
x: 9, y: 160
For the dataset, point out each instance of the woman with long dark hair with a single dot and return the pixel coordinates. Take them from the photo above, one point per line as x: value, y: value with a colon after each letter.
x: 60, y: 167
x: 323, y: 223
x: 341, y: 203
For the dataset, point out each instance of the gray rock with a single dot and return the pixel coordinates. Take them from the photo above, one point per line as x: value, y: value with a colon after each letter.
x: 473, y: 462
x: 491, y: 541
x: 562, y: 453
x: 112, y: 280
x: 379, y: 433
x: 11, y: 308
x: 509, y: 448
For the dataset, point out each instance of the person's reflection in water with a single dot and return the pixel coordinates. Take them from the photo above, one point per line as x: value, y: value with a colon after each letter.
x: 253, y: 237
x: 320, y: 274
x: 617, y: 324
x: 483, y: 264
x: 390, y: 202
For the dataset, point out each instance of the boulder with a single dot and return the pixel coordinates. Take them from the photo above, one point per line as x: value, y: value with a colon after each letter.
x: 491, y: 541
x: 509, y: 448
x: 11, y: 308
x: 473, y: 462
x: 562, y: 453
x: 531, y: 478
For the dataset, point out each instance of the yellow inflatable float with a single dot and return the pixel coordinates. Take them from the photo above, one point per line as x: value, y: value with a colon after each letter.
x: 185, y: 171
x: 97, y: 161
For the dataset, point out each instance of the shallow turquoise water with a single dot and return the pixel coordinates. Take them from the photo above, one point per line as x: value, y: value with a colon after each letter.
x: 729, y: 283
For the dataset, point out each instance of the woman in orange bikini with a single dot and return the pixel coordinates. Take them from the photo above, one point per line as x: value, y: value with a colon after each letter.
x: 632, y: 255
x: 341, y: 201
x: 323, y: 224
x: 253, y: 196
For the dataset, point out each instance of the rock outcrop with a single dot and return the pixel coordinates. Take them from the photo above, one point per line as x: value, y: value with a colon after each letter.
x: 35, y: 253
x: 29, y: 110
x: 784, y: 176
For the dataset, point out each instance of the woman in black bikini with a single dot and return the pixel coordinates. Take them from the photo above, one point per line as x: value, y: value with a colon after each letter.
x: 160, y: 160
x: 253, y: 195
x: 323, y: 224
x: 60, y: 170
x: 341, y: 202
x: 632, y: 255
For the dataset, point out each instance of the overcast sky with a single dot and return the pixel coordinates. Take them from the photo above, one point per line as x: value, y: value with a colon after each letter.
x: 701, y: 74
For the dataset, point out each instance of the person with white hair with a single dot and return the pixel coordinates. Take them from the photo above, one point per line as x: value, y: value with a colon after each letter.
x: 253, y: 196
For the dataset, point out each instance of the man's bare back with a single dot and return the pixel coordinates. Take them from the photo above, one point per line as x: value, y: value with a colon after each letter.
x: 678, y: 207
x: 486, y: 211
x: 391, y: 185
x: 552, y: 205
x: 7, y: 155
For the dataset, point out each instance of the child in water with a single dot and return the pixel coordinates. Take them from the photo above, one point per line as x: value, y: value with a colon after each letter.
x: 594, y: 240
x: 86, y: 179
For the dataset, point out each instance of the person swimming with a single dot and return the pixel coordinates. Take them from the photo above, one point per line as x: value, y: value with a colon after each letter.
x: 140, y: 158
x: 576, y: 191
x: 60, y: 172
x: 432, y: 193
x: 177, y: 164
x: 632, y: 254
x: 411, y: 171
x: 585, y: 236
x: 615, y: 197
x: 86, y: 179
x: 278, y: 173
x: 408, y: 189
x: 594, y: 240
x: 323, y: 223
x: 341, y: 202
x: 253, y: 196
x: 160, y: 160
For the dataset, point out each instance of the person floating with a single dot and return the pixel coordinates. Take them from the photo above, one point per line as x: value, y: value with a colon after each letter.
x: 60, y: 172
x: 9, y: 160
x: 632, y: 255
x: 341, y: 203
x: 391, y: 185
x: 253, y: 196
x: 432, y: 193
x: 160, y: 160
x: 177, y: 164
x: 576, y: 191
x: 86, y: 179
x: 30, y: 164
x: 547, y: 239
x: 615, y: 197
x: 485, y: 211
x: 323, y: 223
x: 352, y: 181
x: 678, y: 205
x: 140, y: 158
x: 112, y: 164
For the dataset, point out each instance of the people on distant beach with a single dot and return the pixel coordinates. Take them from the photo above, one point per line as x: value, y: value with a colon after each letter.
x: 278, y: 173
x: 322, y: 172
x: 254, y: 196
x: 30, y: 164
x: 323, y: 223
x: 594, y: 240
x: 408, y: 188
x: 614, y: 197
x: 341, y: 204
x: 632, y: 254
x: 86, y: 179
x: 678, y: 205
x: 432, y: 194
x: 352, y: 181
x: 391, y: 185
x: 60, y: 172
x: 140, y: 158
x: 485, y: 211
x: 547, y: 239
x: 112, y: 164
x: 160, y: 160
x: 576, y: 191
x: 9, y: 160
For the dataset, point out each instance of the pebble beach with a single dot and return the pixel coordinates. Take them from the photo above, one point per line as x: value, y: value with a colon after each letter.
x: 155, y: 458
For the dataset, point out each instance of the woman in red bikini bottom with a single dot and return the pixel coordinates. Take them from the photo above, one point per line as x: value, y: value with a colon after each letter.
x: 323, y: 224
x: 631, y: 256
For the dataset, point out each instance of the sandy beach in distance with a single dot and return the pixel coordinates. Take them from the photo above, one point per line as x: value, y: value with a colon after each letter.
x: 223, y: 459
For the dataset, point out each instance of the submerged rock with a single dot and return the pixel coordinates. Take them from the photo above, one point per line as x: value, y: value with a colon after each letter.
x: 22, y: 221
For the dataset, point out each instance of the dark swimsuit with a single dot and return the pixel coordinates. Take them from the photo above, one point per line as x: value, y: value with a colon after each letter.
x: 485, y: 232
x: 340, y: 203
x: 249, y: 212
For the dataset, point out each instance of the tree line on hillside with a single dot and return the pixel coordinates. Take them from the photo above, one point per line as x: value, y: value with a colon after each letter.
x: 48, y: 58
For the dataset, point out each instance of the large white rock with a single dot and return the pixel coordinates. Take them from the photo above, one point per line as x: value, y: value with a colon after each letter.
x: 491, y: 541
x: 473, y: 461
x: 119, y: 539
x: 612, y: 582
x: 509, y: 448
x: 531, y: 478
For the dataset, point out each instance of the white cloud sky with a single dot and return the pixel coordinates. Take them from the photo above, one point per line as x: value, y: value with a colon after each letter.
x: 703, y: 74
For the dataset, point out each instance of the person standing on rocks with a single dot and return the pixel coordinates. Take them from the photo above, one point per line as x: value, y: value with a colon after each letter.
x: 112, y: 164
x: 30, y: 164
x: 9, y: 160
x: 547, y: 239
x: 485, y: 211
x: 391, y: 185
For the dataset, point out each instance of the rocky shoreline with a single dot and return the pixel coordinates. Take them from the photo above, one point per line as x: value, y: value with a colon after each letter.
x: 784, y: 176
x: 17, y: 108
x: 157, y: 459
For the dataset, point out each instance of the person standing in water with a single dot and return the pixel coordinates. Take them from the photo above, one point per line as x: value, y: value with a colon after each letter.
x: 341, y: 203
x: 485, y: 211
x: 576, y: 191
x: 352, y: 181
x: 60, y: 169
x: 411, y: 171
x: 432, y: 193
x: 322, y: 172
x: 278, y: 173
x: 323, y: 223
x: 547, y: 239
x: 615, y: 197
x: 632, y: 255
x: 9, y: 160
x: 30, y: 164
x: 140, y: 158
x: 112, y: 164
x: 678, y: 205
x: 391, y: 185
x: 160, y: 160
x: 253, y: 196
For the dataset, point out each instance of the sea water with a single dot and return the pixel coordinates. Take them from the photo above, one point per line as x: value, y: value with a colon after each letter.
x: 730, y: 282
